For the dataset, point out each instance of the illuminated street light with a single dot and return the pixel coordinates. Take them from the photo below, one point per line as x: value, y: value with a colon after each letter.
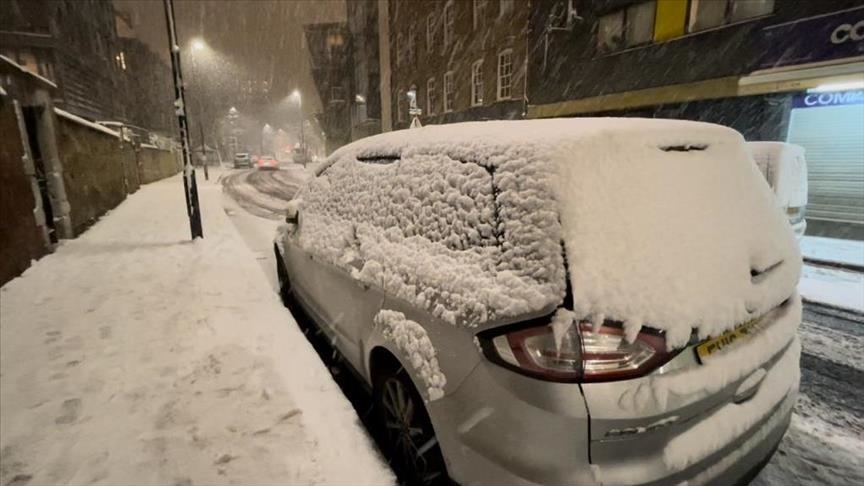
x: 199, y: 45
x: 295, y: 95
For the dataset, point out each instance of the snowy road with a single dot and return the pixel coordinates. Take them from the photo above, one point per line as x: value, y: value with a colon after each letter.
x: 824, y: 444
x: 264, y: 193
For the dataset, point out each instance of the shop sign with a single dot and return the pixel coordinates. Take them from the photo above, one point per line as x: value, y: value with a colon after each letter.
x: 829, y: 98
x: 836, y: 35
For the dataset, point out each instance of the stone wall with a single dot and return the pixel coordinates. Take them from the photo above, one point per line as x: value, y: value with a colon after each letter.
x: 21, y: 239
x: 99, y: 171
x: 93, y: 171
x: 155, y: 164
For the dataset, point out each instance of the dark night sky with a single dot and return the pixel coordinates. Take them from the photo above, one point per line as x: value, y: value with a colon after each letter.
x: 264, y: 39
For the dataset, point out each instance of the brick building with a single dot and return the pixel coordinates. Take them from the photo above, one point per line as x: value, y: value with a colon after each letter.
x: 146, y: 81
x: 365, y: 94
x: 464, y: 59
x: 332, y: 71
x: 74, y: 44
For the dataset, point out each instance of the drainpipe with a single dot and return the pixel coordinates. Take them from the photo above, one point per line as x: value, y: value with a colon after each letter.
x: 47, y: 138
x: 30, y: 171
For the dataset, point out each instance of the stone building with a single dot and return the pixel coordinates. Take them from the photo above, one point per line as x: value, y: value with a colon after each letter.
x: 463, y: 60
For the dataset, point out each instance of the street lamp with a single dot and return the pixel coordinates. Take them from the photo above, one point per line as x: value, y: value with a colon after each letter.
x: 296, y: 96
x: 199, y: 45
x: 190, y: 187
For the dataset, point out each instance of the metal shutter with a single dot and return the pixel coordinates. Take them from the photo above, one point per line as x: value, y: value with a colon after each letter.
x: 833, y: 138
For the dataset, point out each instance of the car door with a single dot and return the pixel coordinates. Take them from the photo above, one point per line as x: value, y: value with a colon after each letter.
x: 321, y: 257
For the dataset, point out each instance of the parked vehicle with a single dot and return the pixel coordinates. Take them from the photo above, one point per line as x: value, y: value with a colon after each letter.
x: 242, y: 160
x: 300, y: 156
x: 267, y: 162
x: 571, y: 301
x: 785, y: 169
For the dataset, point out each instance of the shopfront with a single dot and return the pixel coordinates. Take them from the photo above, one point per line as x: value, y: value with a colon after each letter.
x: 830, y: 127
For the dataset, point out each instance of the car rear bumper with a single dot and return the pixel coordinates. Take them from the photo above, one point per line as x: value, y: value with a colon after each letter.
x: 502, y: 428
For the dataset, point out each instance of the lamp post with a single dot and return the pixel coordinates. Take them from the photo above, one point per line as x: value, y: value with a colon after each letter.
x: 190, y: 187
x: 198, y: 45
x: 296, y: 95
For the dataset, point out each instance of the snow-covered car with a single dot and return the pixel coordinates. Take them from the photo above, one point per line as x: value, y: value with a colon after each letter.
x: 242, y: 160
x: 784, y: 167
x: 266, y: 162
x: 573, y: 301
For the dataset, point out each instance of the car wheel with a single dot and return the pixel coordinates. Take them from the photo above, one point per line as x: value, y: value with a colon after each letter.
x: 282, y: 276
x: 408, y: 435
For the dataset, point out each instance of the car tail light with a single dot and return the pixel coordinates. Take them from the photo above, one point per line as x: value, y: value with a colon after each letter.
x: 577, y: 351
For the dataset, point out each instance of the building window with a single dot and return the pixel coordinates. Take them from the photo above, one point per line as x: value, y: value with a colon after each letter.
x: 430, y: 32
x: 412, y: 46
x: 477, y: 83
x: 28, y: 61
x: 479, y: 10
x: 400, y: 106
x: 121, y: 60
x: 628, y: 27
x: 505, y: 7
x: 706, y: 14
x: 505, y: 74
x: 400, y: 43
x: 337, y: 93
x: 449, y: 23
x: 449, y: 91
x: 431, y: 96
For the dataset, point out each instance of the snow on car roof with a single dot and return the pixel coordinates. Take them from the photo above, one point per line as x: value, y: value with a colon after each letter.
x: 469, y: 141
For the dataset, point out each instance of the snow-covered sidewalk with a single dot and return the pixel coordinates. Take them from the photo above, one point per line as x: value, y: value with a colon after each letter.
x: 833, y: 250
x: 134, y: 356
x: 835, y: 287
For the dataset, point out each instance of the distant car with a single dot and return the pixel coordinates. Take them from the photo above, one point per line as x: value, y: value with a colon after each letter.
x: 784, y: 167
x: 242, y: 160
x: 266, y: 162
x: 299, y: 156
x: 569, y: 301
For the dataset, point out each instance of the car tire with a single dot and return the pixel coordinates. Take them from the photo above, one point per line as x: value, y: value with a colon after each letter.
x: 407, y: 434
x: 284, y: 281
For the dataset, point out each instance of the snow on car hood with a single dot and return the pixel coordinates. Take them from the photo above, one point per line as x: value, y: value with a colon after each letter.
x: 670, y: 226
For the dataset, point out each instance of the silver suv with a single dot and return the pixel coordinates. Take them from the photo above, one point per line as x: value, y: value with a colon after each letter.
x: 577, y: 301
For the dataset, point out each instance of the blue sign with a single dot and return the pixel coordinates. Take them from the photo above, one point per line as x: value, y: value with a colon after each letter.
x: 821, y: 38
x: 829, y: 98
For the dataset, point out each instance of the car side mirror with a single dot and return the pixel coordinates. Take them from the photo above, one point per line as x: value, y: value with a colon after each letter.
x: 292, y: 212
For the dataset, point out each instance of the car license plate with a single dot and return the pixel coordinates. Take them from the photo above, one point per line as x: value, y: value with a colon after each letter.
x: 727, y: 339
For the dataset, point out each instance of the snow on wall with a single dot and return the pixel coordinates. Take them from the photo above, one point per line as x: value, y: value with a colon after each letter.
x: 663, y: 222
x: 28, y: 72
x: 411, y: 339
x: 86, y: 123
x: 733, y: 420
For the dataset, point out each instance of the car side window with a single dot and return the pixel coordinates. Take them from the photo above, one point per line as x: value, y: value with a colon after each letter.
x: 443, y: 200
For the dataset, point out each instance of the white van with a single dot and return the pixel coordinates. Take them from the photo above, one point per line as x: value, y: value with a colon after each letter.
x: 785, y: 169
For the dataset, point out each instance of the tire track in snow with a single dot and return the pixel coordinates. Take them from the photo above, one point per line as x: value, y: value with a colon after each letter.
x: 264, y: 193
